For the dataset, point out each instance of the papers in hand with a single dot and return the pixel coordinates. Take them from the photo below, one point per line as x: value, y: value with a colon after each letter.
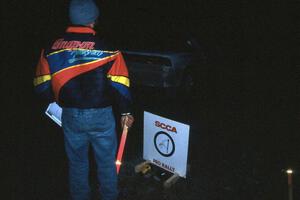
x: 54, y: 112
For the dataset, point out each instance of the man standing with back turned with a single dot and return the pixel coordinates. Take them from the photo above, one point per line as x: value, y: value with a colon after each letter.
x: 85, y: 77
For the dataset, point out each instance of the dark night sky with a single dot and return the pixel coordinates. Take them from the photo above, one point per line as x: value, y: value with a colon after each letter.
x: 252, y: 46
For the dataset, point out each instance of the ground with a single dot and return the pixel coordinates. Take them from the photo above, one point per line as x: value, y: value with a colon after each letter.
x: 227, y: 159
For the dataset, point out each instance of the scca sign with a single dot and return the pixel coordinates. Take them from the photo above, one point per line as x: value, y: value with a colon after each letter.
x: 166, y: 143
x: 166, y: 126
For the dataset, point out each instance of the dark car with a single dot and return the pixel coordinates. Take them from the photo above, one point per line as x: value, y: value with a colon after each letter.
x: 166, y: 64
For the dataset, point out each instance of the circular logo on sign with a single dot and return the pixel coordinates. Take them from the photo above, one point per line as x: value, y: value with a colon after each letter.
x: 164, y: 144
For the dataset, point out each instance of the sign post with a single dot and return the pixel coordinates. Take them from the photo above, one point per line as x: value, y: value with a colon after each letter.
x: 290, y: 183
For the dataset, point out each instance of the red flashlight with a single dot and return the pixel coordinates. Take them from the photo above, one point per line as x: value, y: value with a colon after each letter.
x: 121, y: 148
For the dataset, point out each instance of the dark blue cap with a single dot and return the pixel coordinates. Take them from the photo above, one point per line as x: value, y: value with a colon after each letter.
x: 83, y: 12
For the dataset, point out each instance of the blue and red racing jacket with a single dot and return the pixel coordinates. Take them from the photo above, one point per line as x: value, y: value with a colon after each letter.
x: 79, y: 71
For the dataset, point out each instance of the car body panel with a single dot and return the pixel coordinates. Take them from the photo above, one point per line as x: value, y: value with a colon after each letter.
x: 166, y: 70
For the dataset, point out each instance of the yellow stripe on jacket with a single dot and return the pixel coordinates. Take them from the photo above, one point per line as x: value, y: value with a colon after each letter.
x: 41, y: 79
x: 120, y: 79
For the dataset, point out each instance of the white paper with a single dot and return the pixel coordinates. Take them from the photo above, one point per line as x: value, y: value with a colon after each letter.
x: 54, y: 112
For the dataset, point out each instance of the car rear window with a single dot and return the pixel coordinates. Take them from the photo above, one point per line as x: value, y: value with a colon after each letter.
x: 154, y: 60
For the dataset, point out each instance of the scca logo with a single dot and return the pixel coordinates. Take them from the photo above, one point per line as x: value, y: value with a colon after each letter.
x: 165, y: 126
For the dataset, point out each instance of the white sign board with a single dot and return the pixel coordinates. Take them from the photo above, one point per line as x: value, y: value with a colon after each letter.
x: 54, y: 112
x: 166, y: 143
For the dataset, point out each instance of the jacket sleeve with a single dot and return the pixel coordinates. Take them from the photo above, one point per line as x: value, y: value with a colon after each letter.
x: 119, y: 79
x: 42, y: 79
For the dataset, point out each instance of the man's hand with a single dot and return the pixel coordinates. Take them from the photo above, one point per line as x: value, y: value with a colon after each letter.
x: 127, y: 120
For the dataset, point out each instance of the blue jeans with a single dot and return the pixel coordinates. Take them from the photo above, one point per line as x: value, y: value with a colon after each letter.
x: 83, y: 127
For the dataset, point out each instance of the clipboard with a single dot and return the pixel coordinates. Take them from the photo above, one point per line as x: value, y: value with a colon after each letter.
x: 54, y: 112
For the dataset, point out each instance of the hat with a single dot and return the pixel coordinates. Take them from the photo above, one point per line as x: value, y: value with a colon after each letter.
x: 83, y: 12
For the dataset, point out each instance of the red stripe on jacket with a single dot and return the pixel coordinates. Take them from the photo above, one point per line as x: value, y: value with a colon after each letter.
x: 61, y: 78
x: 119, y: 67
x: 43, y: 66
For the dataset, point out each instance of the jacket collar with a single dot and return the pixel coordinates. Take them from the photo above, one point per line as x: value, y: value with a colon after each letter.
x: 80, y: 29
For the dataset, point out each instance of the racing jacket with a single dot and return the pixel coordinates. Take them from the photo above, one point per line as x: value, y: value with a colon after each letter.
x: 79, y: 71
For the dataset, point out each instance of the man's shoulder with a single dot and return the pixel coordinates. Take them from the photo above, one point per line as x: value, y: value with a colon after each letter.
x: 51, y: 40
